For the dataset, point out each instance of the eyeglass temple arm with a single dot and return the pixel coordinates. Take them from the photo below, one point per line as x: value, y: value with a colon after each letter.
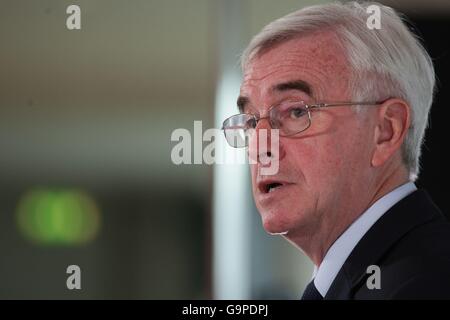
x: 340, y: 104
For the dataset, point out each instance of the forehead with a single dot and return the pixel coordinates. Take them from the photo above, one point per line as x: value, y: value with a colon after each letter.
x: 317, y: 59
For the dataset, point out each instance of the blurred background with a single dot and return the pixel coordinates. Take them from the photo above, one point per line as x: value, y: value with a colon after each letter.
x: 86, y: 176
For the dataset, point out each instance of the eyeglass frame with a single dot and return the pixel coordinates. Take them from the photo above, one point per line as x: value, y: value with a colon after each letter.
x: 308, y: 107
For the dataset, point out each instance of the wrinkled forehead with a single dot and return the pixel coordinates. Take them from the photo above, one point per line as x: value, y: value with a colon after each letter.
x: 318, y: 59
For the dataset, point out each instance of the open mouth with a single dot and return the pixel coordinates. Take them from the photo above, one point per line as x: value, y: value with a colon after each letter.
x: 270, y: 187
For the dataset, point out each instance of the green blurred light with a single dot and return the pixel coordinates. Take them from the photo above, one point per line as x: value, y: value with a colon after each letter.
x: 58, y: 217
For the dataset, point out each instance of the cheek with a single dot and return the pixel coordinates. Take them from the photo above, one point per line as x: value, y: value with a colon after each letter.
x: 318, y: 160
x: 345, y: 153
x: 312, y: 152
x: 340, y: 140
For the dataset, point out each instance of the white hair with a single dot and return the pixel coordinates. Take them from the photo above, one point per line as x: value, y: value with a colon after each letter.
x: 387, y: 62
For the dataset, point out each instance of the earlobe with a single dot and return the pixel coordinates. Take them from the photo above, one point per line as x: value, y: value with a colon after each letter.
x: 390, y: 132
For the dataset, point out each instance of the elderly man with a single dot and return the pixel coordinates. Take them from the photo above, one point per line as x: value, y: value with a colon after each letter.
x: 350, y: 104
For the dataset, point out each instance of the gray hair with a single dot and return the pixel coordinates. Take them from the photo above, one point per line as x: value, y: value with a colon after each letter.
x: 386, y: 62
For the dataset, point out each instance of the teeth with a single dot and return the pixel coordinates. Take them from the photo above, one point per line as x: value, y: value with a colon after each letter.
x: 273, y: 186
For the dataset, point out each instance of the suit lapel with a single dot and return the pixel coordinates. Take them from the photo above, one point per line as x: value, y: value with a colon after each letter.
x: 415, y: 209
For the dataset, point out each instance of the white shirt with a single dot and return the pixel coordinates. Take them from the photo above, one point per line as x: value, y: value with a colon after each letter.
x: 340, y: 250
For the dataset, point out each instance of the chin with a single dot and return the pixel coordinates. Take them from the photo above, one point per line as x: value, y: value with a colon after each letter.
x: 281, y: 222
x: 274, y: 223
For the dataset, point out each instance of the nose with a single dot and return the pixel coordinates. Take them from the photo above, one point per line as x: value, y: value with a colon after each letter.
x: 264, y: 144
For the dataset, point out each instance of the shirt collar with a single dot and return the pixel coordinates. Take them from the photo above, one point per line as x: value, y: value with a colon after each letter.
x: 340, y: 250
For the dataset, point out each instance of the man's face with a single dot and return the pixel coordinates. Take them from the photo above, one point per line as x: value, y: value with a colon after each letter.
x: 322, y: 169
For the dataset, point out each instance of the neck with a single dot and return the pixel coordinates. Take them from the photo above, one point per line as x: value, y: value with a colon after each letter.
x: 315, y: 240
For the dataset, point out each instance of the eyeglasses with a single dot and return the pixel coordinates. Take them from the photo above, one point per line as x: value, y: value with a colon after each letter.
x: 289, y: 118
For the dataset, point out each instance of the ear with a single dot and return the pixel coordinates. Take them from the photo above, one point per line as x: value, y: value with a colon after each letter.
x: 393, y: 122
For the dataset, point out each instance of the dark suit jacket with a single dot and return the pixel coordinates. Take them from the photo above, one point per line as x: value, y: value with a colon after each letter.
x: 411, y: 245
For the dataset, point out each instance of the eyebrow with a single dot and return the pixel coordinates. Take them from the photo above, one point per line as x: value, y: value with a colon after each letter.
x: 298, y: 85
x: 241, y: 103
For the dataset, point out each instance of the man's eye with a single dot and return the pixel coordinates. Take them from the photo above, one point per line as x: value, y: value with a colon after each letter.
x: 251, y: 123
x: 296, y: 112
